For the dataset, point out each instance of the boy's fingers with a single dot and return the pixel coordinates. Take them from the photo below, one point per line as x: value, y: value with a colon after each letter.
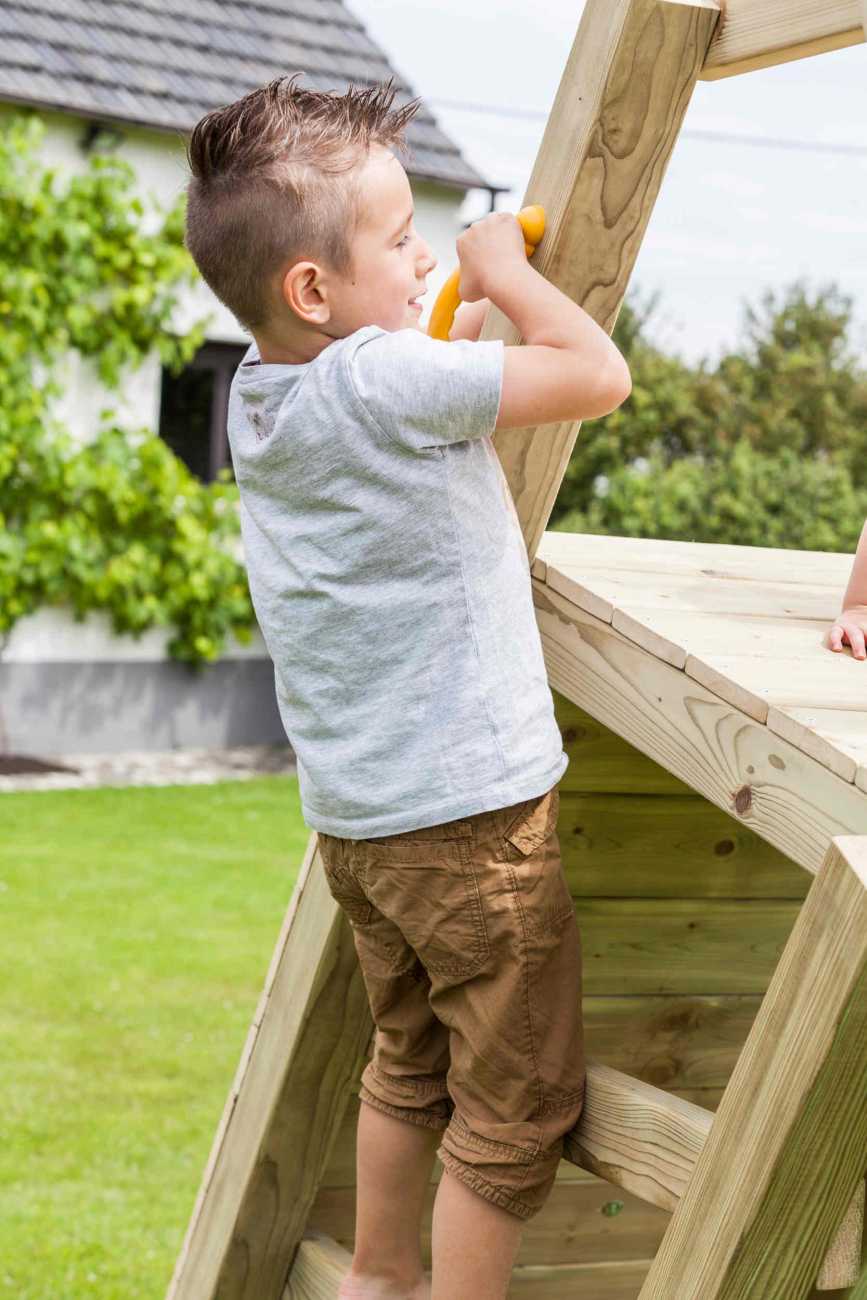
x: 856, y: 641
x: 835, y: 637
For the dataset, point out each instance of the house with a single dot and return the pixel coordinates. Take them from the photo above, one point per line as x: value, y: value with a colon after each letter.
x: 137, y: 79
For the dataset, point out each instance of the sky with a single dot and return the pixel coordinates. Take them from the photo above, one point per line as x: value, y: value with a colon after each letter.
x: 732, y: 220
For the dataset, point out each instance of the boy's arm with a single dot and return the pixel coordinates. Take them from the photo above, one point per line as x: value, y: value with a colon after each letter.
x: 851, y: 626
x: 469, y: 319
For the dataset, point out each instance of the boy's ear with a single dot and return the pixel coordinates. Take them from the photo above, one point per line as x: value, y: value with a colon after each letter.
x: 305, y: 293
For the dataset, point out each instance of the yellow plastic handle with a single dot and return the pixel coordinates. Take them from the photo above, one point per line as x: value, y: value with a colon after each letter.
x: 532, y: 220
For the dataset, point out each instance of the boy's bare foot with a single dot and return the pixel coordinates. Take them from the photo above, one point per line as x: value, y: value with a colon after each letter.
x: 357, y: 1286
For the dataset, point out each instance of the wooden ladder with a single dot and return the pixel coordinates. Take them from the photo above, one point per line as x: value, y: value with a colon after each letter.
x: 767, y: 1194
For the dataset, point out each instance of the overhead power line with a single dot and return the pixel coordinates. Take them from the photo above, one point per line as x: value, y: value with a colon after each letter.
x: 713, y: 137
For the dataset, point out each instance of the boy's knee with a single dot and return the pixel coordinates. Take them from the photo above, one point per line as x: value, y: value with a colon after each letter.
x: 516, y: 1168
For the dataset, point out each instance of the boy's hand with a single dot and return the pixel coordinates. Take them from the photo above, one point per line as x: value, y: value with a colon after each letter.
x: 488, y: 248
x: 850, y: 627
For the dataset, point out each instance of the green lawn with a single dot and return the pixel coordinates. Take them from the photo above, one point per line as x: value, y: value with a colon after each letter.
x: 137, y: 930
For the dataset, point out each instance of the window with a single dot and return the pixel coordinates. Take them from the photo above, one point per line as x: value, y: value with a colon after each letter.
x: 194, y: 405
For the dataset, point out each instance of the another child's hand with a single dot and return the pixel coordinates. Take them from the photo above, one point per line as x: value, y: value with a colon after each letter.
x: 486, y: 249
x: 850, y: 627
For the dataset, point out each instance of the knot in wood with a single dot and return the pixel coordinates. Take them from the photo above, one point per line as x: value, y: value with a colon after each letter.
x: 743, y: 800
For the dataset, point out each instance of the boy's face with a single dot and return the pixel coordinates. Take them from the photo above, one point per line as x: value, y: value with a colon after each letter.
x: 390, y: 261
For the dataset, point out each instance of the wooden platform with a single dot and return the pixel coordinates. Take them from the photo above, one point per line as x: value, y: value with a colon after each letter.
x: 658, y: 636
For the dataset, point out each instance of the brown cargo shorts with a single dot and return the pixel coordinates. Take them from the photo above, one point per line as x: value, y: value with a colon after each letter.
x: 471, y: 957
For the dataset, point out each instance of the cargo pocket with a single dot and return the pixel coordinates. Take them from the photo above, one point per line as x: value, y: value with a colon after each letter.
x: 344, y: 888
x: 531, y: 845
x: 431, y: 892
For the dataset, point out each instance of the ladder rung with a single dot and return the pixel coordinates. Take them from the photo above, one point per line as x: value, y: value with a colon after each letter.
x: 647, y: 1140
x: 636, y: 1136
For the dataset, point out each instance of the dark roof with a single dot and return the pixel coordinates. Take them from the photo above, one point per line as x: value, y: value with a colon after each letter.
x: 165, y: 63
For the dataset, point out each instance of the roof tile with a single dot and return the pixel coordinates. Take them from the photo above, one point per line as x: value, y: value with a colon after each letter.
x: 164, y: 63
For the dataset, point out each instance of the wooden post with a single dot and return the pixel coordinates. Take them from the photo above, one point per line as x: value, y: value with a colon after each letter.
x: 613, y: 126
x: 755, y: 34
x: 303, y: 1055
x: 788, y: 1145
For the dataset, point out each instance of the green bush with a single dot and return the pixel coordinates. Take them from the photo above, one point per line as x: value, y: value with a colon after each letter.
x: 767, y: 447
x: 118, y: 524
x: 744, y: 496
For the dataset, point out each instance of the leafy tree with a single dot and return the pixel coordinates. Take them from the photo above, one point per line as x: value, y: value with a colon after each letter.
x: 767, y: 447
x: 118, y: 524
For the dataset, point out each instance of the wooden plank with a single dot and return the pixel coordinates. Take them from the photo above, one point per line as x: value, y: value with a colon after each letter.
x: 600, y: 761
x: 765, y: 782
x: 836, y: 738
x: 681, y: 945
x: 636, y: 1136
x: 611, y: 131
x: 818, y: 679
x: 702, y: 632
x: 763, y: 33
x: 243, y: 1064
x: 588, y: 1220
x: 307, y: 1053
x: 602, y: 591
x: 633, y: 846
x: 320, y: 1266
x: 842, y: 1264
x: 749, y: 1222
x: 613, y: 1281
x: 685, y: 1044
x: 707, y: 560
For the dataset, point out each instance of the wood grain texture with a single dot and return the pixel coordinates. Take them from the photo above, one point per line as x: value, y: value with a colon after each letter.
x: 763, y: 33
x: 763, y: 781
x: 633, y: 846
x: 299, y: 1066
x: 788, y: 1146
x: 320, y: 1264
x: 319, y: 1267
x: 586, y: 1220
x: 682, y: 945
x: 614, y: 1281
x: 611, y: 131
x: 636, y: 1136
x: 749, y: 623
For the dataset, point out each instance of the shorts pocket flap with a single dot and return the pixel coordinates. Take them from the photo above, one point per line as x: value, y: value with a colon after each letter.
x: 534, y: 826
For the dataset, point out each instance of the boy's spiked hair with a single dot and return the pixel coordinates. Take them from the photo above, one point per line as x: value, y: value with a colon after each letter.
x: 274, y: 179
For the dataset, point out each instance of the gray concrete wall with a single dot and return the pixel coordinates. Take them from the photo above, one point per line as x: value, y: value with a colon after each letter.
x: 54, y: 708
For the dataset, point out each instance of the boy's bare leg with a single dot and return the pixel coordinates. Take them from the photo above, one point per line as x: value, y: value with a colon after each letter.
x: 394, y: 1165
x: 474, y: 1244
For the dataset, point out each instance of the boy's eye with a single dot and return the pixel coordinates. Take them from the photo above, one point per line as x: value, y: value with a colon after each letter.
x: 403, y: 241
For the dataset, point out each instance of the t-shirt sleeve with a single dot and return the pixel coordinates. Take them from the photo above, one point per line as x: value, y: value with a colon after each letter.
x: 425, y: 392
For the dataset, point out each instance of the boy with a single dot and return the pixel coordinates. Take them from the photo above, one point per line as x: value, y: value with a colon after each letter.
x: 392, y: 586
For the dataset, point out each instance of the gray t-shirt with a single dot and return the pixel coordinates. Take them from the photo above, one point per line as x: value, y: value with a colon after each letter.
x: 391, y: 581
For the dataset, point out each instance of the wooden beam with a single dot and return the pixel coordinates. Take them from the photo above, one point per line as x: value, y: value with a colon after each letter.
x: 647, y: 1141
x: 610, y: 134
x: 762, y: 780
x: 788, y: 1146
x: 320, y: 1265
x: 757, y: 34
x: 636, y: 1136
x: 303, y: 1055
x: 321, y: 1262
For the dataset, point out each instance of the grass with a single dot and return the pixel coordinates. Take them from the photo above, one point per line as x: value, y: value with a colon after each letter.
x: 137, y: 930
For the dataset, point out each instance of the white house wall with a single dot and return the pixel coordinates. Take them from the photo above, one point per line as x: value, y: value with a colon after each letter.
x: 161, y: 168
x: 68, y: 687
